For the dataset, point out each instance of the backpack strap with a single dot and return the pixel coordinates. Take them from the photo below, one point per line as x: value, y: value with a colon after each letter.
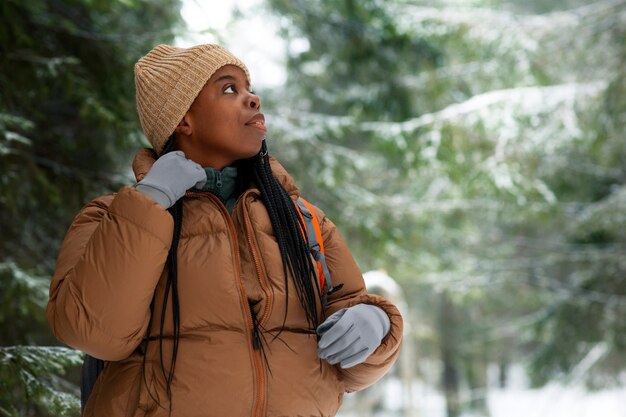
x: 89, y: 374
x: 313, y: 234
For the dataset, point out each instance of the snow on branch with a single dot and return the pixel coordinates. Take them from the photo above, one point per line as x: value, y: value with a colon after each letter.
x: 530, y: 100
x: 28, y: 375
x: 412, y: 15
x: 527, y: 100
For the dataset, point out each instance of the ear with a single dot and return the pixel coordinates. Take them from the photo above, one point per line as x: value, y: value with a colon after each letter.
x: 184, y: 127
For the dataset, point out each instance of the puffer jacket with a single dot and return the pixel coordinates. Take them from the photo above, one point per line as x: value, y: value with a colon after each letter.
x: 111, y: 263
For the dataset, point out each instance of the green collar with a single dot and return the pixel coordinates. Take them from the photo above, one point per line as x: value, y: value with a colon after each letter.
x: 223, y: 184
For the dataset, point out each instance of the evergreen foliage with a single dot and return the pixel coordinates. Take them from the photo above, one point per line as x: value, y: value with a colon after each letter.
x: 496, y: 193
x: 67, y: 127
x: 29, y: 377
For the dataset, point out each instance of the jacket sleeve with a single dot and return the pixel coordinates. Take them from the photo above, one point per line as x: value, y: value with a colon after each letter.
x: 344, y: 270
x: 108, y: 267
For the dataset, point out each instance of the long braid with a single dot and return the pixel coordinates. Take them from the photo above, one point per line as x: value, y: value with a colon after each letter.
x: 288, y: 227
x: 171, y: 284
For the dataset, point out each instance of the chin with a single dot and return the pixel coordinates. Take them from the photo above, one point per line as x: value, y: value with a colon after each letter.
x: 250, y: 155
x: 257, y: 150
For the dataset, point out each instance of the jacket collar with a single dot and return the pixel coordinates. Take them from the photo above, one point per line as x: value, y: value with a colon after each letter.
x: 145, y: 158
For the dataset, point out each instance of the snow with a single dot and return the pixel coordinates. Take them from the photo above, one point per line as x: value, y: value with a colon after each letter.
x: 557, y: 401
x: 568, y: 398
x: 554, y: 400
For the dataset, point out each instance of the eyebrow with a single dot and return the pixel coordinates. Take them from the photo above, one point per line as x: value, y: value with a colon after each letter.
x: 231, y: 78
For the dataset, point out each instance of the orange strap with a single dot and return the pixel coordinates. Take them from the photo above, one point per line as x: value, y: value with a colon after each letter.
x: 316, y: 224
x: 318, y: 236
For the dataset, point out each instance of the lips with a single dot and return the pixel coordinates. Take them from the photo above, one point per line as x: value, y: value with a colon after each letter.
x: 257, y: 121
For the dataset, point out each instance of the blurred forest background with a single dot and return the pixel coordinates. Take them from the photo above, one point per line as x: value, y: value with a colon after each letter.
x: 475, y: 150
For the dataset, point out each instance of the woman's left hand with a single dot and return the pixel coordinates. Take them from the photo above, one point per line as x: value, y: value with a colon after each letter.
x: 350, y: 335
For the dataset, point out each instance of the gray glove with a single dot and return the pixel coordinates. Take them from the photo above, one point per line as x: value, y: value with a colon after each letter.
x: 170, y: 177
x: 350, y: 335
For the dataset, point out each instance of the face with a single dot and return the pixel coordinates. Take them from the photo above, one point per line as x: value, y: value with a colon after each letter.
x: 224, y: 123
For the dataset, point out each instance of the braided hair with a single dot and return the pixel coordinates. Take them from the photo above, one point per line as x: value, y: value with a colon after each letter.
x: 294, y: 251
x: 287, y: 225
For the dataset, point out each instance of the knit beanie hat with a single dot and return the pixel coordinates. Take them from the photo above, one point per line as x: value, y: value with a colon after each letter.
x: 167, y: 81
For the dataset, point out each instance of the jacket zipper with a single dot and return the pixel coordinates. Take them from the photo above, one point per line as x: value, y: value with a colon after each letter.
x: 258, y: 405
x: 269, y: 300
x: 218, y: 180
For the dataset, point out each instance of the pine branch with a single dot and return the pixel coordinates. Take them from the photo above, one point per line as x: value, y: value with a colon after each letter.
x: 28, y: 378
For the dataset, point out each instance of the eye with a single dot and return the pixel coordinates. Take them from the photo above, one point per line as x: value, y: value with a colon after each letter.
x: 230, y: 89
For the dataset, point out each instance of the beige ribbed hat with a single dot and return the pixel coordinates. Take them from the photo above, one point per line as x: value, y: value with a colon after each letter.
x: 168, y: 79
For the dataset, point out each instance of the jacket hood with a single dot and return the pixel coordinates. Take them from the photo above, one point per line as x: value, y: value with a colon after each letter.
x: 144, y: 159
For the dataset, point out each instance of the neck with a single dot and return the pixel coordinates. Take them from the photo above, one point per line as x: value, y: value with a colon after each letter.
x: 199, y: 157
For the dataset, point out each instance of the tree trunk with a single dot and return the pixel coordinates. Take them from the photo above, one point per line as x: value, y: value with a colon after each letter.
x: 476, y: 375
x: 449, y: 356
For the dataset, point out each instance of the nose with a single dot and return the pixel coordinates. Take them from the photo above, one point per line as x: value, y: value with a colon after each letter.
x: 254, y: 101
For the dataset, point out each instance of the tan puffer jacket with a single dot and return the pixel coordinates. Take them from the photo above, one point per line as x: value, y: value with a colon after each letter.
x: 112, y: 262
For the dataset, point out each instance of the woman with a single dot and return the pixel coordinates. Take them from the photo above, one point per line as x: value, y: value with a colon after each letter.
x: 215, y: 308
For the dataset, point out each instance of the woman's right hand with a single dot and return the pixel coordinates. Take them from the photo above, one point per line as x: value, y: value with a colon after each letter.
x: 170, y: 177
